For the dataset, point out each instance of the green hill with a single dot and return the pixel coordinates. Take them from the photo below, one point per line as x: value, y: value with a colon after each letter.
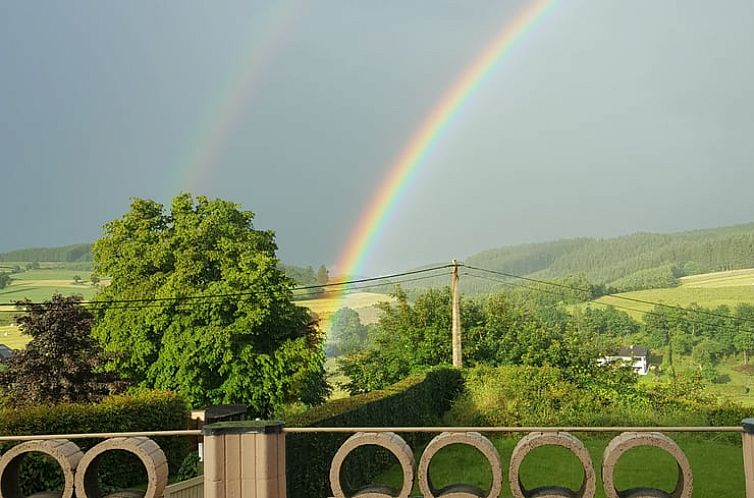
x: 76, y: 253
x: 605, y: 261
x: 622, y: 264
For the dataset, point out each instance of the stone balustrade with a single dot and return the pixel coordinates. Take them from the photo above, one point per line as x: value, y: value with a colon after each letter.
x: 246, y: 459
x: 614, y: 450
x: 80, y: 470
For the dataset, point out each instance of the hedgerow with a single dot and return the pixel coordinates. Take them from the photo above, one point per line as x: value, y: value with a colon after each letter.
x: 419, y: 400
x: 147, y: 411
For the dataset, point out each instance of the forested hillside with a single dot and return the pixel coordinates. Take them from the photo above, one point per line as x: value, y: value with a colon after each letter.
x: 76, y: 253
x: 631, y: 262
x: 642, y: 260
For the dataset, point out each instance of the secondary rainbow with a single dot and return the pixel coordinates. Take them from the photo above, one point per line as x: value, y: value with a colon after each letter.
x: 267, y: 37
x: 406, y: 165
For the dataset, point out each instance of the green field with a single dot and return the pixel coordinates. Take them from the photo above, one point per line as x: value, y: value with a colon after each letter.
x: 11, y: 336
x: 708, y: 297
x: 41, y: 284
x: 709, y: 290
x: 734, y: 278
x: 361, y: 302
x: 717, y: 467
x: 38, y: 285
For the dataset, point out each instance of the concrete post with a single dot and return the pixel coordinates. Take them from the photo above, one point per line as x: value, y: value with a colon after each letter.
x: 748, y: 447
x: 244, y: 459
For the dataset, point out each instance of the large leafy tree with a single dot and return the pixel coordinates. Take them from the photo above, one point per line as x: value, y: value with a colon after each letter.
x: 61, y: 362
x: 197, y: 303
x: 347, y: 334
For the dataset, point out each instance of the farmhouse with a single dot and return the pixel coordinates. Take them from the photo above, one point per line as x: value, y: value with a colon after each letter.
x: 636, y: 356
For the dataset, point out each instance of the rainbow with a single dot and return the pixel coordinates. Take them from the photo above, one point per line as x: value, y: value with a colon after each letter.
x: 405, y: 167
x: 266, y: 40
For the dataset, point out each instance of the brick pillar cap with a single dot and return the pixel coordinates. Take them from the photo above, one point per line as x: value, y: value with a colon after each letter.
x: 243, y: 427
x: 748, y: 425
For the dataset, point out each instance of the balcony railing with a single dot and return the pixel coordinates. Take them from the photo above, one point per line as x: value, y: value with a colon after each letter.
x: 247, y: 459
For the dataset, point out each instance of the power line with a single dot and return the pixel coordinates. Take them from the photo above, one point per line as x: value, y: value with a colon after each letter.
x: 382, y: 284
x: 249, y: 293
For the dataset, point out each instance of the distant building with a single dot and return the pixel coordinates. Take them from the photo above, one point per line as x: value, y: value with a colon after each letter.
x: 636, y: 356
x: 5, y: 351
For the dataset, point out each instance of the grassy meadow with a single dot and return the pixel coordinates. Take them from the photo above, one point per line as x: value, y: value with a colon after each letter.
x: 710, y: 290
x: 37, y: 285
x: 734, y: 278
x: 11, y: 336
x: 40, y: 284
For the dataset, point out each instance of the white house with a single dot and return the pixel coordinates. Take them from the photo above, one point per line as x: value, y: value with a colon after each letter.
x: 636, y: 356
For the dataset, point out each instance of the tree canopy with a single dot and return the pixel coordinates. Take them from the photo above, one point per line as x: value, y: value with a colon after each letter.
x: 61, y: 362
x: 347, y: 334
x: 198, y: 304
x: 497, y: 330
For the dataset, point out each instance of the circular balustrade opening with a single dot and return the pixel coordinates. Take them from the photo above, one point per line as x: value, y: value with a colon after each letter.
x: 124, y: 468
x: 39, y: 468
x: 460, y: 467
x: 551, y: 466
x: 664, y: 469
x: 372, y: 452
x: 119, y: 473
x: 552, y: 453
x: 469, y: 467
x: 656, y: 468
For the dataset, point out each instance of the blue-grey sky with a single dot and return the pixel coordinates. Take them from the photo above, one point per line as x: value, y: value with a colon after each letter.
x: 608, y: 117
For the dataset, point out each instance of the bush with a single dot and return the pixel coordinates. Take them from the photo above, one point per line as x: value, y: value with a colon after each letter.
x: 147, y: 411
x: 542, y: 396
x: 419, y: 400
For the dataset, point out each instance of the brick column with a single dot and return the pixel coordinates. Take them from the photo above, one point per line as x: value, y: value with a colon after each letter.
x: 748, y: 447
x: 244, y: 459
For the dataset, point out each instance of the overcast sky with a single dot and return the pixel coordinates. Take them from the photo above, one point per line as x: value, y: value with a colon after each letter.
x: 608, y: 117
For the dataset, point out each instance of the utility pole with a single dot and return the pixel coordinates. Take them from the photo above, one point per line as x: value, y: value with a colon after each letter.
x: 456, y: 317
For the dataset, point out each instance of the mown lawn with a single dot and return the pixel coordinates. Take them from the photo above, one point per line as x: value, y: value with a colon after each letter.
x: 717, y: 466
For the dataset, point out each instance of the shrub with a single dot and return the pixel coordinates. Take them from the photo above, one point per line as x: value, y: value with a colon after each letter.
x: 418, y: 400
x: 543, y: 396
x: 147, y: 411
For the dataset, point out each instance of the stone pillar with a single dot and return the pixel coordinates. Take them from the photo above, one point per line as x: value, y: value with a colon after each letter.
x: 244, y: 459
x: 748, y: 446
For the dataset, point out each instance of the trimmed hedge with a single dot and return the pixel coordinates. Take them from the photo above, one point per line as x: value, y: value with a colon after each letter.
x: 147, y: 411
x: 419, y: 400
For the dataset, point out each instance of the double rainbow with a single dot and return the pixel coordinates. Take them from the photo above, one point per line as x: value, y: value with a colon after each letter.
x: 407, y: 164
